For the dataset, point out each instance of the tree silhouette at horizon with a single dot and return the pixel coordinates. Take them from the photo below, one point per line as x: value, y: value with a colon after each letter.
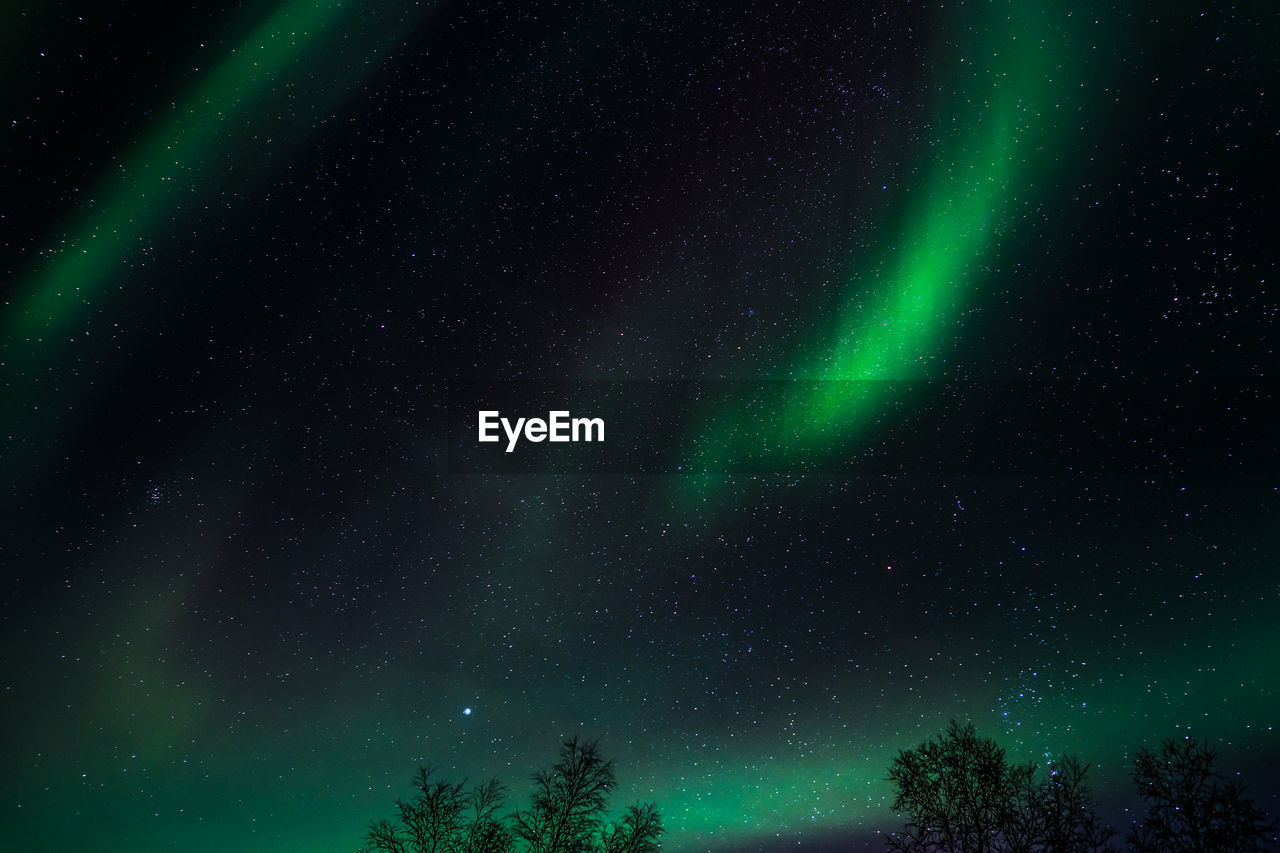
x: 961, y: 795
x: 1191, y: 807
x: 566, y: 814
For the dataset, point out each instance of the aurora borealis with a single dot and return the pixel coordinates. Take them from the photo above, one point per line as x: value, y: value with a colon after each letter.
x: 981, y: 162
x: 247, y: 249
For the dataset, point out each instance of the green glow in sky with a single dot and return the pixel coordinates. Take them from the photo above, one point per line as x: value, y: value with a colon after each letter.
x: 809, y: 777
x: 1006, y: 88
x: 200, y: 662
x: 142, y: 194
x: 244, y: 115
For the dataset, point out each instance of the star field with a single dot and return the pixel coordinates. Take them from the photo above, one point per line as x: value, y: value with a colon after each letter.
x: 247, y: 249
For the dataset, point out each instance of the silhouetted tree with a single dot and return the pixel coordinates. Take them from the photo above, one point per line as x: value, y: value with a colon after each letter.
x: 1024, y: 823
x: 639, y: 832
x: 954, y: 791
x: 960, y: 795
x: 488, y: 831
x: 441, y: 818
x: 1191, y: 808
x: 566, y: 812
x: 1071, y: 823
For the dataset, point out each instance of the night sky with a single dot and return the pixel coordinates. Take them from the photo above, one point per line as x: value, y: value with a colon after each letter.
x: 247, y: 247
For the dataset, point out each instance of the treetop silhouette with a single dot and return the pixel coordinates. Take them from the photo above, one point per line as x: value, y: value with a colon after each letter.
x: 1191, y: 808
x: 961, y: 795
x: 566, y: 814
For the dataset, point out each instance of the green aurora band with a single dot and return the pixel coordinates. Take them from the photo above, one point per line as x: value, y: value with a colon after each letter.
x: 1202, y: 688
x: 160, y: 170
x: 222, y: 127
x: 1007, y: 107
x: 1008, y: 110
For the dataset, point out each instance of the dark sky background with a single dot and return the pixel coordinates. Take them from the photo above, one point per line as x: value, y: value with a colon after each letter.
x: 247, y: 246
